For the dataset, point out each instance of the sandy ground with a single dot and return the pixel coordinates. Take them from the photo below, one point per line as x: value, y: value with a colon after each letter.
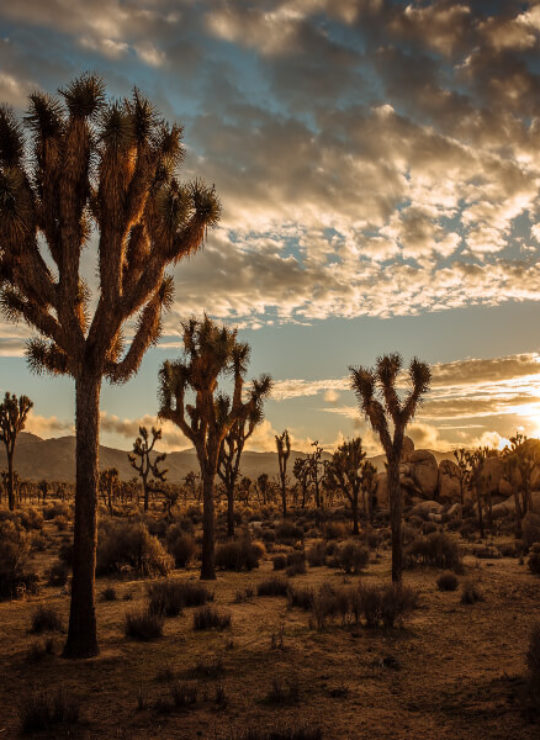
x: 460, y: 672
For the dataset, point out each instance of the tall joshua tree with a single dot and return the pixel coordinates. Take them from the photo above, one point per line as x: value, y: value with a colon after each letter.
x: 366, y: 382
x: 210, y: 352
x: 13, y: 413
x: 107, y: 170
x: 141, y: 460
x: 345, y: 472
x: 283, y: 446
x: 250, y: 415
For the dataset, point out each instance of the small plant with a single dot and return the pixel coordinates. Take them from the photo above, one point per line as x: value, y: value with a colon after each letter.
x: 244, y: 595
x: 58, y: 574
x: 370, y: 599
x: 296, y: 563
x: 238, y: 556
x: 396, y: 601
x: 316, y: 554
x: 165, y: 598
x: 533, y: 562
x: 184, y: 695
x: 277, y: 638
x: 193, y: 594
x: 38, y: 650
x: 283, y: 692
x: 447, y: 582
x: 274, y: 586
x: 109, y: 594
x: 43, y: 710
x: 181, y: 545
x: 207, y: 618
x: 46, y: 619
x: 437, y: 550
x: 279, y: 562
x: 300, y: 597
x: 352, y: 557
x: 144, y: 625
x: 208, y: 668
x: 470, y: 593
x: 220, y: 697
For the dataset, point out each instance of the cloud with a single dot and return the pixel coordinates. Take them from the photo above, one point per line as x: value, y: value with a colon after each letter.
x: 172, y: 438
x: 48, y: 426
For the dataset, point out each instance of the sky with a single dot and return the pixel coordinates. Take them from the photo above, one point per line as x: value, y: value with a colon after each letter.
x: 378, y: 166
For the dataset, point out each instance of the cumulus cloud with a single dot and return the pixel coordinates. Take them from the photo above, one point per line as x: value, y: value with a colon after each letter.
x: 128, y: 429
x: 48, y: 426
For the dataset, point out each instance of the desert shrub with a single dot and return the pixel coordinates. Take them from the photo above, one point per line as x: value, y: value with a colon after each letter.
x: 194, y: 513
x: 296, y: 563
x: 530, y: 527
x: 283, y: 692
x: 274, y: 586
x: 193, y: 594
x: 287, y: 532
x: 56, y: 509
x: 61, y: 523
x: 534, y: 559
x: 243, y: 595
x: 165, y: 598
x: 370, y: 604
x: 352, y: 557
x: 396, y: 602
x: 143, y: 625
x: 508, y: 549
x: 31, y: 518
x: 486, y: 552
x: 429, y: 527
x: 109, y: 594
x: 268, y: 536
x: 65, y: 553
x: 130, y: 545
x: 470, y: 593
x: 38, y: 650
x: 300, y: 597
x: 237, y: 556
x: 316, y: 554
x: 208, y: 668
x: 327, y: 603
x: 279, y: 562
x: 533, y: 664
x: 15, y: 579
x: 373, y: 540
x: 41, y: 711
x: 45, y: 619
x: 335, y: 530
x: 184, y: 695
x: 447, y: 582
x: 58, y: 574
x: 208, y: 618
x: 180, y: 544
x: 436, y: 549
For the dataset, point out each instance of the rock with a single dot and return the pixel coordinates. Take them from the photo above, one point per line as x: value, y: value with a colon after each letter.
x: 407, y: 449
x: 448, y: 481
x: 508, y: 506
x: 425, y: 508
x: 492, y: 474
x: 454, y: 512
x: 420, y: 474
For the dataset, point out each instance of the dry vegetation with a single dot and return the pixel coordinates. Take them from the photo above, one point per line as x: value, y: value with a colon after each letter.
x: 300, y: 644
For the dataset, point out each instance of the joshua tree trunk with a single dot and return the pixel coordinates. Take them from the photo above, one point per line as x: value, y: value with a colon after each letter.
x: 11, y: 493
x: 82, y: 634
x: 208, y: 571
x: 394, y: 496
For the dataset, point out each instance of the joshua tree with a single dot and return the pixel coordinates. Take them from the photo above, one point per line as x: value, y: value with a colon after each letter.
x: 283, y: 445
x: 368, y: 484
x: 301, y: 471
x: 190, y: 484
x: 463, y: 472
x: 365, y: 383
x: 250, y: 415
x: 475, y: 461
x: 140, y: 460
x: 209, y: 353
x: 517, y: 463
x: 314, y: 465
x: 344, y: 470
x: 106, y: 169
x: 262, y: 483
x: 43, y: 488
x: 13, y: 413
x: 108, y: 481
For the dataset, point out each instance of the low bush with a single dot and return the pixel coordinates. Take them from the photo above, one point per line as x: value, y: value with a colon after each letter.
x: 39, y: 650
x: 289, y: 533
x: 533, y: 562
x: 300, y: 597
x: 165, y: 598
x: 56, y: 509
x: 283, y: 692
x: 470, y: 593
x: 58, y: 574
x: 109, y: 594
x: 274, y: 586
x: 329, y: 602
x: 180, y: 545
x: 143, y: 625
x: 316, y: 554
x: 209, y: 668
x: 207, y: 618
x: 15, y: 578
x: 193, y: 593
x: 531, y: 528
x: 396, y: 602
x: 335, y: 530
x: 42, y: 711
x: 447, y: 582
x: 296, y: 563
x: 352, y: 557
x: 533, y: 664
x: 437, y: 550
x: 279, y: 562
x: 128, y: 545
x: 30, y: 518
x: 46, y: 619
x: 237, y: 556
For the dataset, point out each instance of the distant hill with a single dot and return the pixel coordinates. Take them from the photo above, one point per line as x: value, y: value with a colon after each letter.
x: 54, y: 459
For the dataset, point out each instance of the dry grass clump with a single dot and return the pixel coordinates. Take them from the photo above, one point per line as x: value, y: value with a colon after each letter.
x: 58, y: 574
x: 46, y: 619
x: 15, y: 578
x: 283, y: 692
x: 143, y: 625
x: 533, y: 664
x: 238, y: 556
x: 193, y: 594
x: 296, y: 563
x: 165, y: 598
x: 180, y: 545
x: 130, y: 546
x: 352, y: 557
x: 274, y: 586
x: 316, y: 554
x: 208, y: 618
x: 300, y: 597
x: 279, y: 562
x: 471, y: 593
x: 43, y: 711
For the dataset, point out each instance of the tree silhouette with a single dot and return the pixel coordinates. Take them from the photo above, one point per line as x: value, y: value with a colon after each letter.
x: 13, y: 413
x: 475, y: 460
x: 283, y: 445
x: 108, y: 481
x: 463, y: 472
x: 366, y: 382
x: 106, y: 168
x: 210, y: 352
x: 302, y: 473
x: 140, y: 459
x: 368, y: 484
x: 517, y: 460
x: 345, y: 472
x: 314, y: 464
x: 250, y: 414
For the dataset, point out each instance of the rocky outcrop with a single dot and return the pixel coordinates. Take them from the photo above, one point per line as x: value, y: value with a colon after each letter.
x: 448, y: 481
x: 420, y: 474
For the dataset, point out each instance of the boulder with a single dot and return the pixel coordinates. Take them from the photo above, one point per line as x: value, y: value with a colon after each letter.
x: 420, y: 474
x: 492, y: 475
x: 454, y: 512
x: 448, y: 481
x: 407, y: 449
x: 425, y: 508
